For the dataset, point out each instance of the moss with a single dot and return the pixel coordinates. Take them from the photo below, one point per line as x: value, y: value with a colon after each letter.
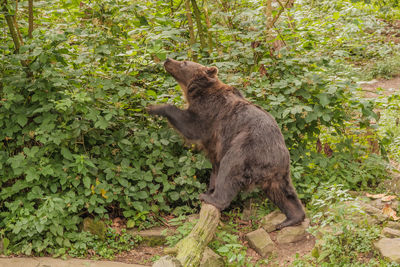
x: 96, y: 227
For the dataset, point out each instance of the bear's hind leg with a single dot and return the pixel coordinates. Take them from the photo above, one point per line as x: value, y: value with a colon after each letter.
x: 224, y: 192
x: 213, y: 177
x: 228, y: 180
x: 285, y: 197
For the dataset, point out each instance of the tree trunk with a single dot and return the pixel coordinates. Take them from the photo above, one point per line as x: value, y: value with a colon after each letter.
x: 197, y: 17
x: 208, y: 23
x: 192, y: 39
x: 11, y: 27
x: 268, y: 15
x: 189, y: 250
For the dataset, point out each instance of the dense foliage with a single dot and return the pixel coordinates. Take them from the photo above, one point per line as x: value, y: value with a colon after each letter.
x: 75, y: 139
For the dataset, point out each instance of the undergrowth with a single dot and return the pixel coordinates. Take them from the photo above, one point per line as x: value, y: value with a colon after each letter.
x: 76, y: 141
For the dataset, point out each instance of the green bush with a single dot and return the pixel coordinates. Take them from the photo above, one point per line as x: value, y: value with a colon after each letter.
x: 75, y: 139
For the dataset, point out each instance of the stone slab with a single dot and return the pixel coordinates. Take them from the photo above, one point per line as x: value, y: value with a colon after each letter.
x: 154, y: 236
x: 260, y: 241
x: 271, y: 220
x: 167, y: 261
x: 52, y: 262
x: 389, y: 248
x: 390, y: 232
x: 293, y: 233
x: 211, y: 259
x: 394, y: 225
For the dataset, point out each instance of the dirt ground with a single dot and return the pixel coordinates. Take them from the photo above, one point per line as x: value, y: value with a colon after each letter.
x: 282, y: 256
x: 389, y: 87
x: 286, y: 253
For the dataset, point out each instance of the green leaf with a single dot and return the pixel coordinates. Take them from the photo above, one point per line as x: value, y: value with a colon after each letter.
x: 142, y: 195
x: 66, y: 153
x: 101, y: 123
x: 39, y: 227
x: 6, y: 242
x: 174, y: 196
x: 21, y: 119
x: 130, y: 224
x: 123, y: 182
x: 53, y: 188
x: 137, y: 205
x: 86, y: 182
x: 223, y: 249
x: 323, y: 99
x: 31, y: 174
x: 31, y: 152
x: 326, y: 117
x: 53, y: 229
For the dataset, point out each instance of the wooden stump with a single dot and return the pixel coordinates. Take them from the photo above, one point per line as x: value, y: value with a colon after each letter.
x: 189, y: 250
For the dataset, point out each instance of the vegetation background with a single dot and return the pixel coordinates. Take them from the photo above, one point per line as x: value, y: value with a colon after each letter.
x: 76, y: 77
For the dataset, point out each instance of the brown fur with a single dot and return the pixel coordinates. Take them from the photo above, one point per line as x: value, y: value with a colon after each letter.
x: 242, y: 141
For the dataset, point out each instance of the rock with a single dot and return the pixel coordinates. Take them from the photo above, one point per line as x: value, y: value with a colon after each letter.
x: 389, y: 232
x: 153, y: 237
x: 67, y: 262
x: 389, y: 248
x: 211, y: 259
x: 167, y: 261
x: 371, y: 210
x: 328, y: 230
x: 293, y: 233
x: 394, y: 225
x: 260, y: 241
x: 249, y: 211
x: 379, y: 204
x: 271, y: 220
x: 96, y: 227
x: 392, y: 185
x: 359, y: 212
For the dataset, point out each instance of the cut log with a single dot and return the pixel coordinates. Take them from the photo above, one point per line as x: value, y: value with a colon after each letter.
x: 189, y: 250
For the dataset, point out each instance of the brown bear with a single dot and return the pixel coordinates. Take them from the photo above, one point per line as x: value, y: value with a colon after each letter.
x: 242, y: 141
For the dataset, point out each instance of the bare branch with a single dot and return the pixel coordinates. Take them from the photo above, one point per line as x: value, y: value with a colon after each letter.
x: 30, y: 11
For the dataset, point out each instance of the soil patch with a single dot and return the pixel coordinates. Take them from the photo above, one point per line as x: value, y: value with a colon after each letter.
x: 286, y: 253
x: 283, y: 255
x: 389, y: 87
x: 140, y: 255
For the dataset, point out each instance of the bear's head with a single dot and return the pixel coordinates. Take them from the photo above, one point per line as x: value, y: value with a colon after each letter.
x: 191, y: 75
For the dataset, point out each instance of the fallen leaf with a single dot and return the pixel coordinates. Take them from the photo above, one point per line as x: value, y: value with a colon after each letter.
x: 375, y: 196
x: 388, y: 198
x: 387, y: 210
x: 103, y: 193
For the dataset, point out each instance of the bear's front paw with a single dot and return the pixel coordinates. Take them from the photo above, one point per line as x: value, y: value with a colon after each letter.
x: 156, y: 109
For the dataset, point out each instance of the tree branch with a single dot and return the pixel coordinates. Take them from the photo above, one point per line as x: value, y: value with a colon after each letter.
x: 208, y: 23
x: 276, y: 17
x: 30, y: 12
x: 11, y: 26
x: 197, y: 17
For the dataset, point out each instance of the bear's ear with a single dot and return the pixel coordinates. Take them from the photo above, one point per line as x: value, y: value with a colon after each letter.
x: 212, y: 71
